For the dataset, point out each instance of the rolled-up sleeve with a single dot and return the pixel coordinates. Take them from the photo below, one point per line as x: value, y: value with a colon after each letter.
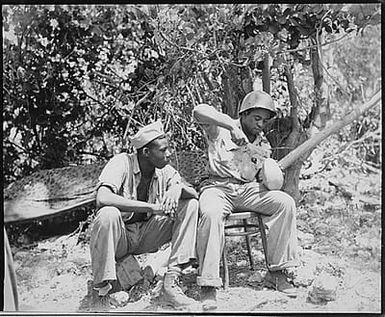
x: 210, y: 130
x: 114, y: 173
x: 172, y: 176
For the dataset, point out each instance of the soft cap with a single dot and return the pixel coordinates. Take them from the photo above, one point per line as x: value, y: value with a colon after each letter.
x: 146, y: 134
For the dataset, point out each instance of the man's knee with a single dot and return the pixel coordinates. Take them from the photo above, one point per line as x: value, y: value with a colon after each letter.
x: 213, y: 205
x: 284, y: 200
x: 108, y: 215
x: 190, y: 207
x: 211, y: 213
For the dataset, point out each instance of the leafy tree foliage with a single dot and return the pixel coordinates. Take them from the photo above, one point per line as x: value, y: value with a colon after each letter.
x: 71, y: 77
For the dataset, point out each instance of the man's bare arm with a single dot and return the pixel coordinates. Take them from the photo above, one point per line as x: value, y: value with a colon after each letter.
x: 105, y: 197
x: 207, y: 115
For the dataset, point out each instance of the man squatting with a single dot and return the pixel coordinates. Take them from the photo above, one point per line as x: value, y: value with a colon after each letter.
x: 141, y: 205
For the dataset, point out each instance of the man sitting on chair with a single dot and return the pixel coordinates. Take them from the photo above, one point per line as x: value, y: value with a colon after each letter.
x: 236, y: 151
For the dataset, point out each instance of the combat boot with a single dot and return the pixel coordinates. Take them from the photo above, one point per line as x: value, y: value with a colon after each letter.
x: 209, y: 297
x: 173, y: 294
x: 278, y: 280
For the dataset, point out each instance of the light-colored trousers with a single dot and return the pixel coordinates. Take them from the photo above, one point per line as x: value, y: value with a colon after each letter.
x: 219, y: 200
x: 112, y: 239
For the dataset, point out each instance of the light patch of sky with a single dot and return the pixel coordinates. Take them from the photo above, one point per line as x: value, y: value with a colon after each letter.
x: 10, y: 35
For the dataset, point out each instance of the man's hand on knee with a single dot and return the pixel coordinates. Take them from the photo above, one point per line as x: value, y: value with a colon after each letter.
x: 170, y: 200
x: 156, y: 209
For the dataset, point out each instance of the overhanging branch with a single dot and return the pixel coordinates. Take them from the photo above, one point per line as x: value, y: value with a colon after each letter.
x: 293, y: 156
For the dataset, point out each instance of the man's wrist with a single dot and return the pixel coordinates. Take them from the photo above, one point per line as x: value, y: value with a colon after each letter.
x: 232, y: 126
x: 151, y: 208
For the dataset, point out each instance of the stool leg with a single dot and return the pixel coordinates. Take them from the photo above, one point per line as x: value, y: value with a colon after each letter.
x: 248, y: 246
x: 225, y: 267
x: 264, y: 239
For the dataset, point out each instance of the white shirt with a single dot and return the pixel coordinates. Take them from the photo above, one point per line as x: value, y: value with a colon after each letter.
x: 226, y: 159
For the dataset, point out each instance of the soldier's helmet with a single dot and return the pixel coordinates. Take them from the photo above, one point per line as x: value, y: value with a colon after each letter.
x: 258, y: 99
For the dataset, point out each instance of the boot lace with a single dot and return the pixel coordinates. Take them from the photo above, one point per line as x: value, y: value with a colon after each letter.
x: 175, y: 285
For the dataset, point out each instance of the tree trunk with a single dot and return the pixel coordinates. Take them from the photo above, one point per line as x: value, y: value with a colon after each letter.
x: 321, y: 108
x: 237, y: 82
x: 284, y: 135
x: 296, y: 137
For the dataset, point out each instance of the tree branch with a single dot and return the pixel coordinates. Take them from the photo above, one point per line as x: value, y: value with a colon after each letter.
x: 207, y: 80
x: 191, y: 95
x: 198, y: 94
x: 319, y: 137
x: 312, y: 46
x: 17, y: 145
x: 90, y: 153
x: 140, y: 101
x: 176, y: 45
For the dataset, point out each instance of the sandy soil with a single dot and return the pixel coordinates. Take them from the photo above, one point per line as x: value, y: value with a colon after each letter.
x: 55, y: 276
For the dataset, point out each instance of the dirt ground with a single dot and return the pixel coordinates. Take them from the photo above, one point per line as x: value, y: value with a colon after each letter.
x: 339, y: 239
x: 53, y: 280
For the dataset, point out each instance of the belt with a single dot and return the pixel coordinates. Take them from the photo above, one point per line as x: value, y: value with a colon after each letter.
x: 227, y: 180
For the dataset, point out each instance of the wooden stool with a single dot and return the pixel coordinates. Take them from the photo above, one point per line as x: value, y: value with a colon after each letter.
x: 255, y: 229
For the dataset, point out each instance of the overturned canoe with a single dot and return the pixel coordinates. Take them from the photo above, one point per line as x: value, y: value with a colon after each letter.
x: 50, y: 192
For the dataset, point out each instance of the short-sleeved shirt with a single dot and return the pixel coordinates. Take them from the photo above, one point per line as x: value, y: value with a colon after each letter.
x: 228, y: 160
x: 122, y: 175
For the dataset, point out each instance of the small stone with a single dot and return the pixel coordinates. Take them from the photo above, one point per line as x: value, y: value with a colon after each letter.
x: 258, y: 255
x: 322, y: 228
x: 300, y: 251
x: 119, y: 299
x: 242, y: 263
x: 304, y: 276
x: 148, y: 274
x: 20, y: 255
x: 241, y: 275
x: 324, y: 289
x: 306, y: 240
x: 79, y: 257
x: 364, y: 254
x: 128, y: 272
x: 257, y: 277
